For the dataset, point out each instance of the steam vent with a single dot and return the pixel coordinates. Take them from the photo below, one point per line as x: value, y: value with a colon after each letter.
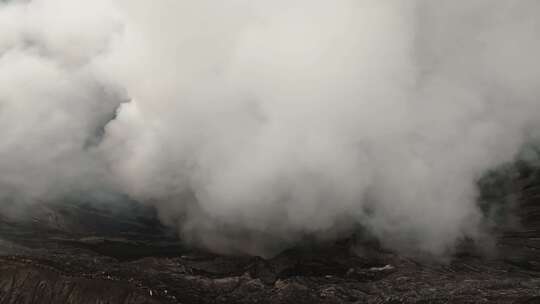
x: 254, y: 151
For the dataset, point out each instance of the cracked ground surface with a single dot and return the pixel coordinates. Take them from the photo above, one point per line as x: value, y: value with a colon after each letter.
x: 61, y: 255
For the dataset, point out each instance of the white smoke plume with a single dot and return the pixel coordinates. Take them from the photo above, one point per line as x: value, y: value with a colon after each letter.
x: 253, y: 124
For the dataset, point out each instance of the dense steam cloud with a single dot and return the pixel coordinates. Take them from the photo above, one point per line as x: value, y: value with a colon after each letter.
x: 252, y: 125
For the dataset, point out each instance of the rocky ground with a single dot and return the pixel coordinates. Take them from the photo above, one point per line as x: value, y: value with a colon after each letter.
x: 67, y: 254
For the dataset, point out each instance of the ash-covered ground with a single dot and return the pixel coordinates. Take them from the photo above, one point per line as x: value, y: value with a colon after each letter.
x: 86, y: 253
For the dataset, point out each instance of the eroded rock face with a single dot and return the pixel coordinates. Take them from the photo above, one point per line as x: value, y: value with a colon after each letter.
x: 214, y: 279
x: 27, y: 282
x: 56, y: 264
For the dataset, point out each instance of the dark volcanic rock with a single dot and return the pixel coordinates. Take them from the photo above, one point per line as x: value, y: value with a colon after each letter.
x: 26, y: 282
x: 54, y: 258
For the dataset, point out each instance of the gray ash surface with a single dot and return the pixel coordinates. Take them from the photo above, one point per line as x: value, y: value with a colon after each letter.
x: 68, y: 253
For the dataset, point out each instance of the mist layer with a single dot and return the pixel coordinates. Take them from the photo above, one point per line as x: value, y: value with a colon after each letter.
x: 251, y: 126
